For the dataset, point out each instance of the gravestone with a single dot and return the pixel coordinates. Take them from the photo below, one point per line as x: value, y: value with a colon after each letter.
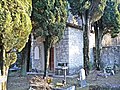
x: 108, y: 71
x: 82, y: 78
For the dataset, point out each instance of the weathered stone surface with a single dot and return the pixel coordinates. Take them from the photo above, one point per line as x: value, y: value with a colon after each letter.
x: 67, y: 88
x: 37, y: 56
x: 108, y: 41
x: 61, y: 49
x: 110, y: 53
x: 110, y: 56
x: 70, y: 49
x: 75, y: 49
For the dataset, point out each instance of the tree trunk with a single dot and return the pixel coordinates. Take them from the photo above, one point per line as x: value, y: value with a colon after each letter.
x: 25, y: 58
x: 24, y: 61
x: 3, y: 67
x: 47, y: 56
x: 97, y: 47
x: 4, y: 72
x: 86, y: 42
x: 24, y: 64
x: 5, y: 75
x: 98, y: 40
x: 29, y: 49
x: 95, y: 51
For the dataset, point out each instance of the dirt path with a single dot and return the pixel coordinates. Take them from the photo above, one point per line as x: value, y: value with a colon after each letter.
x: 16, y: 82
x: 111, y: 81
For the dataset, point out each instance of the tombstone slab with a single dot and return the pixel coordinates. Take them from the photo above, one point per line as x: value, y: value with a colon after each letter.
x: 82, y: 78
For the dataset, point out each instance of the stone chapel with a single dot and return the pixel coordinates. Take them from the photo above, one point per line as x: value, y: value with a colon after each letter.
x: 69, y: 50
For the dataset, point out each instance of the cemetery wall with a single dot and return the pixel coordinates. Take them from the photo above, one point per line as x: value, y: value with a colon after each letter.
x: 75, y: 49
x: 110, y: 55
x: 110, y: 52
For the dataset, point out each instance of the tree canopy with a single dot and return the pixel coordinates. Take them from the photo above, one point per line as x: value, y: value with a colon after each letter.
x: 90, y: 12
x: 49, y: 19
x: 95, y: 7
x: 15, y: 26
x: 111, y: 18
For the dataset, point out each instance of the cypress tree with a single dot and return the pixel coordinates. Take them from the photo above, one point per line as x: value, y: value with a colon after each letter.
x: 49, y: 21
x: 111, y: 19
x: 15, y: 27
x: 90, y: 11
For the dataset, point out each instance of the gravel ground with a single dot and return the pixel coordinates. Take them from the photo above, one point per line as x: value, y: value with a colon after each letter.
x: 95, y: 80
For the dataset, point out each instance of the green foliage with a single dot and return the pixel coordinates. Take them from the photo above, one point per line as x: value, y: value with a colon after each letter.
x: 96, y: 10
x: 11, y: 58
x: 15, y: 24
x: 49, y: 18
x: 79, y: 6
x: 111, y: 18
x: 95, y: 7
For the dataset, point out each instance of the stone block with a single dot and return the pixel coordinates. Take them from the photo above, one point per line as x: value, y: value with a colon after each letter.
x: 66, y: 88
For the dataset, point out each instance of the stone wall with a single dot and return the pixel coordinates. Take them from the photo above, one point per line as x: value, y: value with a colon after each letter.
x: 37, y: 55
x: 110, y: 55
x: 110, y: 51
x: 62, y: 50
x: 75, y: 49
x: 108, y: 41
x: 70, y: 49
x: 38, y: 63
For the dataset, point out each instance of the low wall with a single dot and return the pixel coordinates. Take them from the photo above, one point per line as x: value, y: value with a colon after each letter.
x: 110, y: 55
